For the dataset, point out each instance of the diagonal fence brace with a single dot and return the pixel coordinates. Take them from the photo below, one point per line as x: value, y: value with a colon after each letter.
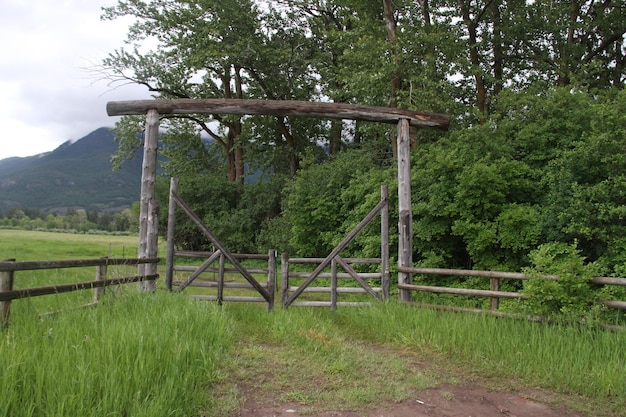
x: 266, y: 295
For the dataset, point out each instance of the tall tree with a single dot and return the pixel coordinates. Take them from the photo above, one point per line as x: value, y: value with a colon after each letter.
x: 215, y: 49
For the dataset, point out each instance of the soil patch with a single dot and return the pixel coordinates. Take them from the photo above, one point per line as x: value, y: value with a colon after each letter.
x: 458, y: 398
x: 444, y: 401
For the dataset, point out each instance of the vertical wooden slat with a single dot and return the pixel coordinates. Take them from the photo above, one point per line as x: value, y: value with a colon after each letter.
x: 284, y: 269
x: 6, y: 284
x: 101, y: 275
x: 384, y: 242
x: 171, y: 233
x: 333, y: 285
x: 405, y: 221
x: 148, y: 179
x: 271, y: 278
x: 220, y: 279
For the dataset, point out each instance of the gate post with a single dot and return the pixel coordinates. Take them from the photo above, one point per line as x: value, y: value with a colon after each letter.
x: 148, y: 239
x: 405, y: 221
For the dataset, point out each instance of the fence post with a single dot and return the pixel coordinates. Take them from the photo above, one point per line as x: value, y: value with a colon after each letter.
x: 284, y: 269
x: 101, y: 275
x: 6, y: 284
x: 271, y: 278
x: 333, y: 285
x: 405, y: 221
x: 171, y: 232
x: 384, y: 242
x: 494, y: 285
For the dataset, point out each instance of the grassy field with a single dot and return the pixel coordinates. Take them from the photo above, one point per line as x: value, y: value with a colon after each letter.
x: 167, y: 355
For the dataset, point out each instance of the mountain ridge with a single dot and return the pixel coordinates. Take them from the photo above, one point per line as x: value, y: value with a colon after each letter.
x: 77, y: 174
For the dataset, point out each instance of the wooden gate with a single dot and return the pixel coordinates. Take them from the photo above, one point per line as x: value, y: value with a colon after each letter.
x: 221, y: 254
x: 290, y: 294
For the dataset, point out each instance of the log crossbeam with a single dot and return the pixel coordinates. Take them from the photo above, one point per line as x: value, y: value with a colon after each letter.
x: 280, y: 108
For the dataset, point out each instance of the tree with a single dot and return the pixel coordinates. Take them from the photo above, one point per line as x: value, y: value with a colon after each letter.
x: 539, y: 171
x: 215, y: 49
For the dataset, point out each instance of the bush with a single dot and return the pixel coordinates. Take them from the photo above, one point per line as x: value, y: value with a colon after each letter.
x: 571, y: 297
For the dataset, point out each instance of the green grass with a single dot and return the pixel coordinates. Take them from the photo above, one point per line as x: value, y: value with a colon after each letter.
x: 164, y: 354
x: 136, y: 355
x: 24, y: 245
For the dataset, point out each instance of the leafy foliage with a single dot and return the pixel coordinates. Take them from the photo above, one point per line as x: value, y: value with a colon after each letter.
x: 571, y: 296
x: 325, y: 201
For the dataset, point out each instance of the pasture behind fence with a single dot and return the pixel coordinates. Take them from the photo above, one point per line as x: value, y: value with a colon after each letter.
x: 8, y: 269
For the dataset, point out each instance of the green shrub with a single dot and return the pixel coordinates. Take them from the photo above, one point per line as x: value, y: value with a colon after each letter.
x: 569, y: 298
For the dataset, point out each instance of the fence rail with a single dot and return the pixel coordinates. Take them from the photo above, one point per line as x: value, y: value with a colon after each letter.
x: 494, y: 292
x: 8, y: 268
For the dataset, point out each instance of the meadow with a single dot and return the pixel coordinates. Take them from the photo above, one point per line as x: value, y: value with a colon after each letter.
x: 165, y: 354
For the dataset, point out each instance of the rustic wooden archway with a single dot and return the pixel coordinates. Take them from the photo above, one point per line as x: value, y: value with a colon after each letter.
x: 154, y: 108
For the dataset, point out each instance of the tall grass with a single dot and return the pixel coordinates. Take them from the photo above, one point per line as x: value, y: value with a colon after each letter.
x: 569, y: 359
x: 136, y: 355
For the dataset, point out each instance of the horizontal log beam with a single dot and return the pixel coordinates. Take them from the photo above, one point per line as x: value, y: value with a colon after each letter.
x: 498, y: 274
x: 199, y: 254
x: 280, y: 108
x: 63, y: 288
x: 330, y: 304
x: 348, y: 260
x: 340, y: 290
x: 461, y: 291
x: 235, y: 298
x: 79, y: 263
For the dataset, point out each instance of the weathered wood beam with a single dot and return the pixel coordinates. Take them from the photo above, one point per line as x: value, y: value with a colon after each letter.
x: 405, y: 220
x: 148, y: 208
x: 280, y: 108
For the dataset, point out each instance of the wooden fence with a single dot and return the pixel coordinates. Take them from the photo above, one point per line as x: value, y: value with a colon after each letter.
x: 205, y: 276
x: 379, y: 293
x: 494, y: 292
x: 8, y: 268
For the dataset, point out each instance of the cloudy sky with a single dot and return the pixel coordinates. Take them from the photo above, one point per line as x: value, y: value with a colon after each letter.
x: 49, y: 91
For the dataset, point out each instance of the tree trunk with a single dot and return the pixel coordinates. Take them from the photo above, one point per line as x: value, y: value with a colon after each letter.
x: 498, y: 56
x: 425, y: 12
x: 472, y: 43
x: 335, y: 137
x: 569, y: 61
x: 392, y: 37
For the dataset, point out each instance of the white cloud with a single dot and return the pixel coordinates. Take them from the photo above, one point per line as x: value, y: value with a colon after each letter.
x: 47, y: 92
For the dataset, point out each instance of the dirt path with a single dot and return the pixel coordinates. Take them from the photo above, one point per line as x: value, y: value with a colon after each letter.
x: 446, y: 401
x: 258, y: 397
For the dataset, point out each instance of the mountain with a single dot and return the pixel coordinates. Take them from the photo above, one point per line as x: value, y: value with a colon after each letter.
x: 75, y: 175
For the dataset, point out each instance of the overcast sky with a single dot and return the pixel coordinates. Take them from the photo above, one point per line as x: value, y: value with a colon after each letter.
x: 48, y: 94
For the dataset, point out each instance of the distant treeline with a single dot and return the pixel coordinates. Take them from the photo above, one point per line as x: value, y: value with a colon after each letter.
x: 74, y: 220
